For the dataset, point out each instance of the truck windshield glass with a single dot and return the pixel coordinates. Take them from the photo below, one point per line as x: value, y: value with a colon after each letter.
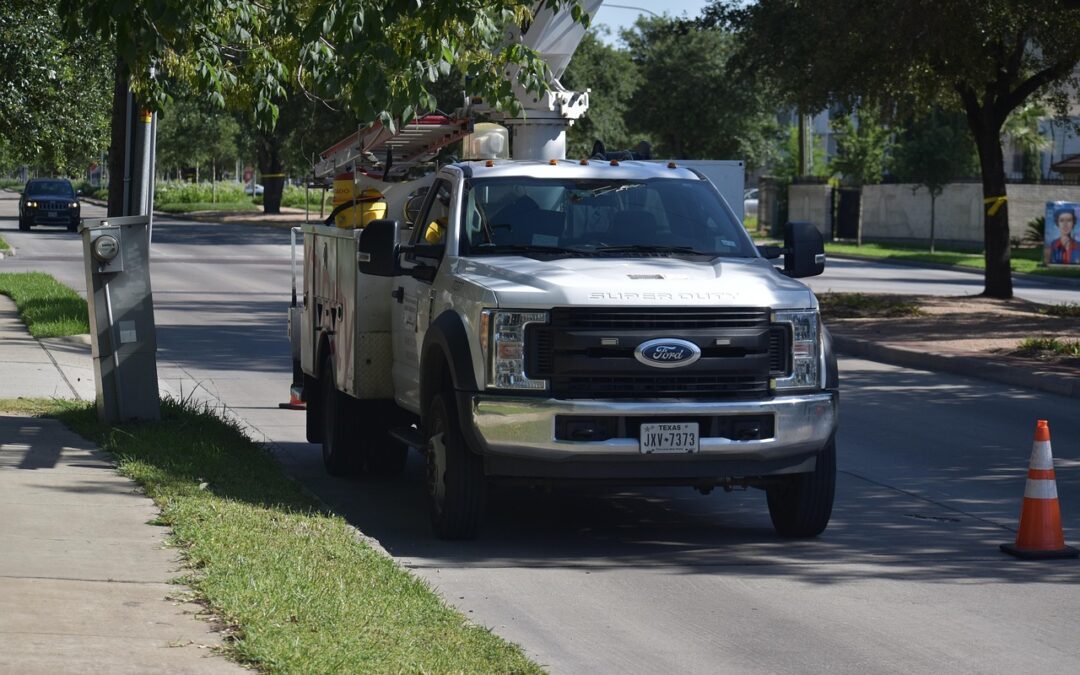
x: 600, y: 217
x: 50, y: 187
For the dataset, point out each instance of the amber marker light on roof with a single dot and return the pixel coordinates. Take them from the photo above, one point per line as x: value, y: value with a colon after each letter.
x: 553, y: 162
x: 489, y: 163
x: 584, y: 162
x: 614, y: 162
x: 671, y: 165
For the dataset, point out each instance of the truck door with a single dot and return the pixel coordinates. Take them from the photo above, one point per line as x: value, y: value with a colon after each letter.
x: 414, y: 293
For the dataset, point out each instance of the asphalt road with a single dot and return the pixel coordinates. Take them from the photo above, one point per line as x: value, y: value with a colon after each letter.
x: 907, y: 578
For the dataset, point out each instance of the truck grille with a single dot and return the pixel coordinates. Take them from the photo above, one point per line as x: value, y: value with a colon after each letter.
x: 740, y: 349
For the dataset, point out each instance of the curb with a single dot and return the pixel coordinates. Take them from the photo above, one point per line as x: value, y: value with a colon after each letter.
x: 968, y: 366
x: 1034, y: 278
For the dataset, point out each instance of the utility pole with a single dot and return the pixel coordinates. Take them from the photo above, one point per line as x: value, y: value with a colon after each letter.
x: 116, y: 252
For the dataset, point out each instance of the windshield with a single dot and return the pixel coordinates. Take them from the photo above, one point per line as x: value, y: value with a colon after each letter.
x: 599, y: 216
x: 50, y: 187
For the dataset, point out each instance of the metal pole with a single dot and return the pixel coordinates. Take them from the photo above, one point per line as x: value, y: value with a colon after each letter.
x: 125, y: 208
x: 153, y: 180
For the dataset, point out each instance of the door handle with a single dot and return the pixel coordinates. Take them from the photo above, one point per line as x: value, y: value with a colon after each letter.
x: 398, y: 294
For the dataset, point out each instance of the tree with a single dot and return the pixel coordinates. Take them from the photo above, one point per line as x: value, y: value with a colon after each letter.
x: 934, y: 149
x: 613, y: 79
x: 689, y: 99
x: 786, y: 166
x: 861, y: 149
x: 191, y: 133
x: 983, y: 58
x: 53, y: 91
x: 374, y: 58
x: 1022, y: 129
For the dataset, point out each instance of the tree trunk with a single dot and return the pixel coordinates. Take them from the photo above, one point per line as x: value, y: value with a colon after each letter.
x: 933, y: 202
x: 998, y: 279
x: 272, y: 169
x: 118, y: 148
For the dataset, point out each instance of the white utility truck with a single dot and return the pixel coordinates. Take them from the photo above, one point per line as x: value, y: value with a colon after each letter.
x: 543, y: 320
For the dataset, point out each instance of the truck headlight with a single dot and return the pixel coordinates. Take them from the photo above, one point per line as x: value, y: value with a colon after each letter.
x: 805, y: 349
x: 502, y: 340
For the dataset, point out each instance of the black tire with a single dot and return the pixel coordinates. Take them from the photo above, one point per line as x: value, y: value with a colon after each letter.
x: 73, y: 227
x: 800, y: 506
x: 457, y: 489
x: 24, y: 225
x: 313, y: 414
x: 338, y: 427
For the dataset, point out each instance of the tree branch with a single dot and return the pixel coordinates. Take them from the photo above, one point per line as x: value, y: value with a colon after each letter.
x: 1029, y: 86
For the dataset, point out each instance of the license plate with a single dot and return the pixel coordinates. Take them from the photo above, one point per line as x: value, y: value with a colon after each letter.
x: 52, y: 214
x: 669, y: 438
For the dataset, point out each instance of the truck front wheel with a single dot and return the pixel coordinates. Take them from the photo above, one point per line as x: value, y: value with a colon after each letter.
x: 801, y: 504
x: 455, y: 475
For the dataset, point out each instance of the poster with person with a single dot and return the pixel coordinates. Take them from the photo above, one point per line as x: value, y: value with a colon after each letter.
x: 1062, y: 238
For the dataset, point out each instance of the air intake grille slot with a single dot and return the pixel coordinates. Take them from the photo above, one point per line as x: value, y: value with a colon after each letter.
x: 660, y: 319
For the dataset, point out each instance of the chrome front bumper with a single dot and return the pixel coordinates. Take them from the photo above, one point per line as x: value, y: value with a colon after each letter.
x: 525, y: 427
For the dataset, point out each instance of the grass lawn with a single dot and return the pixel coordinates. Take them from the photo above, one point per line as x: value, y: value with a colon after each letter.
x: 299, y: 591
x: 1026, y: 260
x: 206, y: 206
x: 860, y: 305
x: 46, y: 306
x: 4, y: 245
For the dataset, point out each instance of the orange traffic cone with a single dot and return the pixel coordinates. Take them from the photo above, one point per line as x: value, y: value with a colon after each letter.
x: 296, y: 399
x: 1040, y: 535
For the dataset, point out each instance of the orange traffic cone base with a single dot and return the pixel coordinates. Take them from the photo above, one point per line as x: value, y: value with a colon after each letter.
x: 296, y: 400
x: 1036, y: 554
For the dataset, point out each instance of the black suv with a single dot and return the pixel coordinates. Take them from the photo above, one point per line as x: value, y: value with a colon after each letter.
x: 49, y: 201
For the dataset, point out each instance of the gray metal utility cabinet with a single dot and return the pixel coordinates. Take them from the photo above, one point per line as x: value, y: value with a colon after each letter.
x: 116, y: 253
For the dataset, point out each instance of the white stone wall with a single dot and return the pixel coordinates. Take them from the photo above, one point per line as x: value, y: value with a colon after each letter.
x: 812, y: 204
x: 902, y: 211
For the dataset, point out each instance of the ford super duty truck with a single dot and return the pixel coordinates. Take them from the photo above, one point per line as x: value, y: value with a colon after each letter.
x: 562, y: 321
x: 540, y: 320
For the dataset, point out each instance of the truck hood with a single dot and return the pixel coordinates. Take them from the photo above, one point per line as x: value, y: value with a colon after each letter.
x: 520, y: 282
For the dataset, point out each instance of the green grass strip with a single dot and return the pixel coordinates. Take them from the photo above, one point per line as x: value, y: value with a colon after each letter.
x: 206, y: 206
x: 861, y: 305
x: 4, y: 245
x: 299, y: 590
x: 1026, y: 260
x: 1050, y: 345
x: 46, y: 306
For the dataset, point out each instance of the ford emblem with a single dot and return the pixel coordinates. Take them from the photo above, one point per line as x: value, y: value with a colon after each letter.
x: 667, y: 353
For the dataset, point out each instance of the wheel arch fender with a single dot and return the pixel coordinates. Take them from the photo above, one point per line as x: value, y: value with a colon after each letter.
x: 832, y: 371
x: 446, y: 352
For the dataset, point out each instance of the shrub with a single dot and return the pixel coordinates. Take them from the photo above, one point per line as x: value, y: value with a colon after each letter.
x: 1036, y: 231
x: 179, y: 192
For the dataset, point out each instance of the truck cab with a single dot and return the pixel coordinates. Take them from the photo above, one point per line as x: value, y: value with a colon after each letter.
x: 571, y: 321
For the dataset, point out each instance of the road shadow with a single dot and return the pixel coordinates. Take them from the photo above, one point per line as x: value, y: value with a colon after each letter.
x: 876, y: 530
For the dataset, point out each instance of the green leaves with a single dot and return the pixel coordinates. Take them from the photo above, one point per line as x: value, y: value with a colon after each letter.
x: 54, y: 92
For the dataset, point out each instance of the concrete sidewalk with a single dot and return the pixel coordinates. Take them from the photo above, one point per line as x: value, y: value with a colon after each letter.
x: 84, y: 578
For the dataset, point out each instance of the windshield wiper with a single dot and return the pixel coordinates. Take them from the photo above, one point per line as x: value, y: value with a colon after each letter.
x: 523, y: 248
x: 651, y: 248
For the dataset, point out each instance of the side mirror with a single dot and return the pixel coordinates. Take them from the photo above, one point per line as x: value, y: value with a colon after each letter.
x: 377, y: 254
x: 804, y: 250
